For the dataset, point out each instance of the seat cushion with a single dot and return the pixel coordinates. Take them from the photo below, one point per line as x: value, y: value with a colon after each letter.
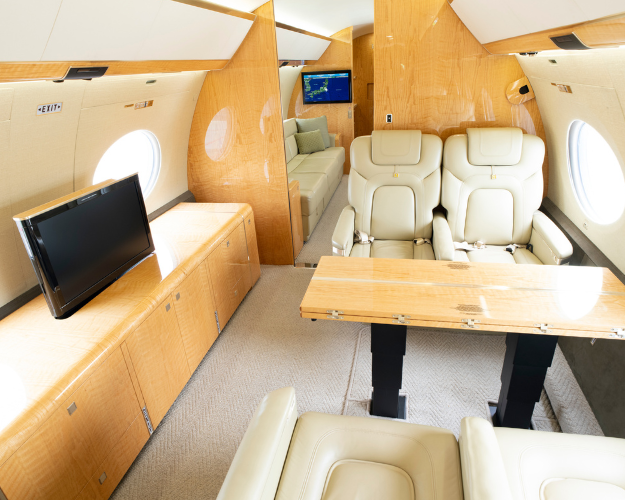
x: 324, y: 447
x: 554, y: 466
x: 498, y: 255
x: 373, y: 481
x: 313, y: 187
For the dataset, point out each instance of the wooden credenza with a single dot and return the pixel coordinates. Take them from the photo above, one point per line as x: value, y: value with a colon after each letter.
x: 81, y: 396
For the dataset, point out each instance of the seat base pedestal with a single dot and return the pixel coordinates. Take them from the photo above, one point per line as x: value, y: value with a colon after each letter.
x: 525, y: 365
x: 388, y: 347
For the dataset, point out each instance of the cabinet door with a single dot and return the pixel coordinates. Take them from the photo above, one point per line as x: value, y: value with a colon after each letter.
x: 252, y: 247
x: 157, y: 353
x: 112, y: 470
x: 195, y: 310
x: 59, y: 459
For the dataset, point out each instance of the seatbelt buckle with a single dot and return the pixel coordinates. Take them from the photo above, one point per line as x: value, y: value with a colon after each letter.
x: 422, y: 241
x: 513, y: 246
x: 479, y: 245
x: 362, y: 238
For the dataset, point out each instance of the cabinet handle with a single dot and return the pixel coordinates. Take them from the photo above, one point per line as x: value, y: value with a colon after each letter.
x: 167, y: 307
x: 178, y: 296
x: 249, y: 221
x: 102, y: 478
x: 71, y: 409
x: 227, y: 243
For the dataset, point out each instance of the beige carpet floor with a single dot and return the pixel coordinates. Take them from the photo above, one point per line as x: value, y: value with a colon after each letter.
x: 266, y: 345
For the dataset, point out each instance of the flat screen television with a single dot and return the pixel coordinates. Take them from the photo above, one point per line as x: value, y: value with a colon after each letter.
x: 81, y: 243
x: 327, y: 87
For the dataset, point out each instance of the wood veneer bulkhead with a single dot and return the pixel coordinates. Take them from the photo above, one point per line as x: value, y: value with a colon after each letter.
x: 236, y: 145
x: 136, y: 344
x: 432, y: 74
x: 363, y: 85
x: 338, y: 55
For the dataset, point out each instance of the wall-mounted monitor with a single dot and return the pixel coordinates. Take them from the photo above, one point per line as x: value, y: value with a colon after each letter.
x: 327, y: 87
x: 81, y: 243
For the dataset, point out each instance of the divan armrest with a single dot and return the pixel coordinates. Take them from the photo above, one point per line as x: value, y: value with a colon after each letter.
x: 549, y: 244
x: 255, y: 471
x: 483, y: 471
x: 442, y: 242
x: 343, y: 236
x: 332, y: 139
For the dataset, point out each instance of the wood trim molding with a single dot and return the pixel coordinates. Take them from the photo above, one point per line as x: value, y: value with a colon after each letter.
x: 605, y: 32
x: 222, y: 9
x: 298, y: 30
x: 23, y: 71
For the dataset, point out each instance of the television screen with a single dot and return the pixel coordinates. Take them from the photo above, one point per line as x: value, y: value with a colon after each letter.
x: 80, y: 246
x: 324, y: 87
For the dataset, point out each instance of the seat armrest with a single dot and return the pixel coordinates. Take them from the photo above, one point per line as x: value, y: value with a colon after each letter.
x: 332, y: 140
x: 549, y: 244
x: 483, y: 471
x: 255, y: 471
x: 442, y: 242
x: 343, y: 236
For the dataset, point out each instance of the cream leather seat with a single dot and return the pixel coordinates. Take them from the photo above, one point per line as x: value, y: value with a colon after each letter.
x: 492, y: 187
x: 394, y: 184
x: 331, y: 457
x: 514, y: 464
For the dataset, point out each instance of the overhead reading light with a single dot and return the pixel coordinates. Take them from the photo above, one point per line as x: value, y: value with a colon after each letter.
x: 85, y: 73
x: 569, y: 42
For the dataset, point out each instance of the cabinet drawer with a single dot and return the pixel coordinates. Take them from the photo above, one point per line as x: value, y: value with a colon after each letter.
x: 60, y: 458
x: 158, y: 356
x: 112, y: 470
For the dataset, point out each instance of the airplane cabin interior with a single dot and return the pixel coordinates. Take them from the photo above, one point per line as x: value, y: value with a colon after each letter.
x: 331, y: 250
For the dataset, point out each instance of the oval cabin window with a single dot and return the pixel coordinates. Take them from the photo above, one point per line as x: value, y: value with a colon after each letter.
x: 596, y: 174
x: 136, y: 152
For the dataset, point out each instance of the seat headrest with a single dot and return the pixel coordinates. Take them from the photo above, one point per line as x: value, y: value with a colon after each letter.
x: 396, y: 147
x: 495, y: 146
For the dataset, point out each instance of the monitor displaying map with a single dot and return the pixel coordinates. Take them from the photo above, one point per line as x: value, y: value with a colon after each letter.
x: 323, y: 87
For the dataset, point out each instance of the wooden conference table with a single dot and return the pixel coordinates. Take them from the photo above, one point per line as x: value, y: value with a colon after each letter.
x: 533, y: 305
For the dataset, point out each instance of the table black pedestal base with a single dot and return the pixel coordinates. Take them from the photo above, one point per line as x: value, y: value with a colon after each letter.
x: 388, y: 347
x: 525, y: 365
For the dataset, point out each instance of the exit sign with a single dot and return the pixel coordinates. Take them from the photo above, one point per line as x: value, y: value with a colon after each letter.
x: 46, y: 109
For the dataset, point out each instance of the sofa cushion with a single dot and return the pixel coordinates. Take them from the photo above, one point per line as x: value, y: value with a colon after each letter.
x: 309, y: 142
x: 295, y: 163
x: 313, y: 187
x: 428, y: 455
x: 310, y: 124
x: 290, y: 146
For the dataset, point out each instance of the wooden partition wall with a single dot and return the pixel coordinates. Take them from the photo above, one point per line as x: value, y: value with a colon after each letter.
x: 432, y: 74
x: 363, y: 88
x: 236, y: 146
x: 340, y: 116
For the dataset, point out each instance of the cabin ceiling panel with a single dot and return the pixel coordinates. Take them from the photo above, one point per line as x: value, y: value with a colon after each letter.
x: 297, y: 46
x: 93, y: 30
x: 492, y: 20
x: 324, y: 17
x: 185, y: 32
x: 25, y: 26
x: 597, y: 81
